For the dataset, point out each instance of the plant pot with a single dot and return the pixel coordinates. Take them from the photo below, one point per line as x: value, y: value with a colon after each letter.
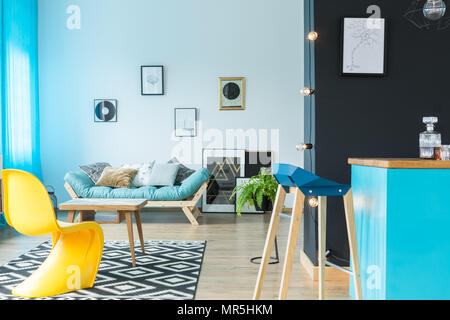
x: 267, y: 205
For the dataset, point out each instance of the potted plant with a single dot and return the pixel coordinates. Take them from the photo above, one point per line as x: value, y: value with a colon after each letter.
x: 260, y: 191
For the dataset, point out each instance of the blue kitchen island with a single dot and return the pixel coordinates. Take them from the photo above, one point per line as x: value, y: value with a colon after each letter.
x: 402, y: 212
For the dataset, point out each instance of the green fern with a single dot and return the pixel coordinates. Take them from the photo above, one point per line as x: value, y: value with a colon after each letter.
x: 254, y: 191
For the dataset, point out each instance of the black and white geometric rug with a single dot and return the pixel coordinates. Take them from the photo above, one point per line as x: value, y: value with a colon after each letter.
x: 169, y: 270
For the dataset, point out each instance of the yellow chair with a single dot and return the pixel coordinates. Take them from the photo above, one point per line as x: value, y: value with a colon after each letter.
x: 77, y: 248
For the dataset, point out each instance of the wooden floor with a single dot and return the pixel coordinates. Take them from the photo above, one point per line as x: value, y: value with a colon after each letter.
x: 226, y: 271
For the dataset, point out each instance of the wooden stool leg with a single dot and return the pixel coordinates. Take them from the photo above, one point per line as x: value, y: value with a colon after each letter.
x: 353, y: 243
x: 137, y: 216
x: 270, y: 240
x: 322, y: 233
x: 296, y: 218
x: 129, y: 219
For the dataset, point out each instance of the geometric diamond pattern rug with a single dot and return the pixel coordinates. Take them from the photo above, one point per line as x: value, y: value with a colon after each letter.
x: 169, y: 270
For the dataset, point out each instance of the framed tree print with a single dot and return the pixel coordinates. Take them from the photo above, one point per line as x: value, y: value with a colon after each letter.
x: 152, y: 80
x: 232, y: 93
x: 363, y: 47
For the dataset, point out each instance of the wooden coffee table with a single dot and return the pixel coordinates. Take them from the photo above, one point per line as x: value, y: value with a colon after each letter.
x: 124, y: 208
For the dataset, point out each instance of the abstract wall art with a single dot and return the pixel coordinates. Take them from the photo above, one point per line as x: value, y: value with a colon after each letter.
x: 105, y: 110
x: 225, y: 166
x: 185, y: 122
x: 232, y: 93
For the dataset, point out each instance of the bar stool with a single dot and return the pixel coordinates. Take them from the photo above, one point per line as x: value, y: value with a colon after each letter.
x: 302, y: 183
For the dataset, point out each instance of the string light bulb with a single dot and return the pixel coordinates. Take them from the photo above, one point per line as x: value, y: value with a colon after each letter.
x: 313, y: 202
x: 307, y: 91
x: 305, y: 146
x: 312, y: 36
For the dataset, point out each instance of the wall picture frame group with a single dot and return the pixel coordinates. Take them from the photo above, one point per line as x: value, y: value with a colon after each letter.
x: 363, y: 47
x: 185, y: 122
x: 232, y: 93
x: 152, y: 80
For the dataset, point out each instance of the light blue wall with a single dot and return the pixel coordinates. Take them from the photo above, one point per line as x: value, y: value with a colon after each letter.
x: 197, y: 41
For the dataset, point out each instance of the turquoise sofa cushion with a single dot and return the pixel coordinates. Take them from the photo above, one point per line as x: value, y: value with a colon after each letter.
x: 85, y: 188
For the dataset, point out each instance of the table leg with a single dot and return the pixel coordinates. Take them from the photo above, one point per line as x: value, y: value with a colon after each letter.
x: 71, y: 216
x: 129, y: 219
x: 137, y: 216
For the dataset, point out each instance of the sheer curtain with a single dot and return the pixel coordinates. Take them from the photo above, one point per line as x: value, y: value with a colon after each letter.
x: 19, y: 86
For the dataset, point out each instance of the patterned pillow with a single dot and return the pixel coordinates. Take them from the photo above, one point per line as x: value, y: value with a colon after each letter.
x: 94, y: 171
x: 143, y: 176
x: 183, y: 171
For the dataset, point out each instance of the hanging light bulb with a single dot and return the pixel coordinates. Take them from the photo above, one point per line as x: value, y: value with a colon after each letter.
x: 434, y: 9
x: 312, y: 36
x: 313, y: 202
x: 307, y: 91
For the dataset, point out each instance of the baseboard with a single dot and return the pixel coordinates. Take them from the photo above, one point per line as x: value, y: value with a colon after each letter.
x: 331, y: 274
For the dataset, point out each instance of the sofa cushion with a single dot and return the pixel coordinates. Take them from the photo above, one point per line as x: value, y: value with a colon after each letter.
x: 94, y: 171
x: 85, y: 188
x: 183, y: 171
x: 117, y: 177
x: 163, y: 175
x: 143, y: 176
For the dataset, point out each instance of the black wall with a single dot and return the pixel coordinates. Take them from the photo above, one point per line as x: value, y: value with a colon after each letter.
x: 375, y: 117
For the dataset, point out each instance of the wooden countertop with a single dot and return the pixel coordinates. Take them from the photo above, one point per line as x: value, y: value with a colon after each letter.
x: 392, y: 163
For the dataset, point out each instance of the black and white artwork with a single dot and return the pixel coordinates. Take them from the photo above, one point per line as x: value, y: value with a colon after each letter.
x: 105, y: 110
x: 152, y: 80
x: 232, y: 93
x: 364, y: 46
x: 225, y: 165
x: 185, y: 122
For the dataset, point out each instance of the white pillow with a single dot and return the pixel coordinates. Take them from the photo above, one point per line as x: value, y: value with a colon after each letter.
x: 142, y: 178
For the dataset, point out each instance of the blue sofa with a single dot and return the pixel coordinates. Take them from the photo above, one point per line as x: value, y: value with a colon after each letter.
x: 185, y: 196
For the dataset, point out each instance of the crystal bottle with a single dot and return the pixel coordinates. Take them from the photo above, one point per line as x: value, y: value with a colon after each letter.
x: 430, y: 140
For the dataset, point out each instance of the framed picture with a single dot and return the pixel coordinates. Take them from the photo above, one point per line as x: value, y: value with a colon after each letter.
x: 232, y: 93
x: 225, y: 166
x: 363, y: 47
x: 247, y: 208
x: 185, y: 122
x: 105, y: 110
x: 152, y: 80
x: 256, y: 160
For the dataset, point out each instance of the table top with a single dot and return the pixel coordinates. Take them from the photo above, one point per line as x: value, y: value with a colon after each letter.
x: 103, y: 204
x: 400, y: 163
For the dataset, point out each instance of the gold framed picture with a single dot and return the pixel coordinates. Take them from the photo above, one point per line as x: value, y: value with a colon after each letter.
x: 232, y: 93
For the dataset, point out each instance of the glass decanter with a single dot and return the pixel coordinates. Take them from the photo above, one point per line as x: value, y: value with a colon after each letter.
x: 430, y: 140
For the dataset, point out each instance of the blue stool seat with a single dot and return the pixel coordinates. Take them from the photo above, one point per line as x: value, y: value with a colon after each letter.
x: 302, y: 184
x: 311, y: 185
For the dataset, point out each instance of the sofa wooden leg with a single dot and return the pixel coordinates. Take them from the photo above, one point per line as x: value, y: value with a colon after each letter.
x: 190, y: 216
x: 197, y: 212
